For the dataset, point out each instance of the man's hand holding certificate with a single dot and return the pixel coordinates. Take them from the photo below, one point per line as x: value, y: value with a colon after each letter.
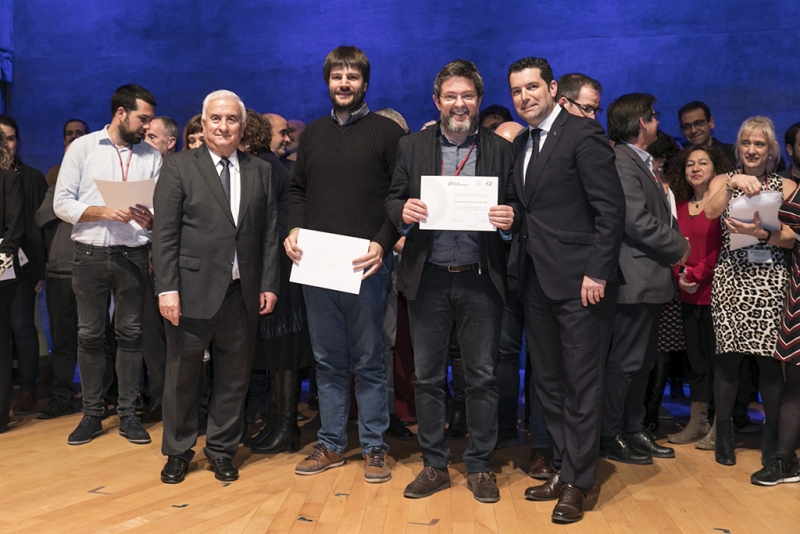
x: 461, y: 203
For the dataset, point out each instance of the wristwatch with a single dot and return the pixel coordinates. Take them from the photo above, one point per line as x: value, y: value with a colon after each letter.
x: 769, y: 236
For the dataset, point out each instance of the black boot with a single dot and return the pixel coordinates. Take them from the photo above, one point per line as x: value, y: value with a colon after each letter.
x: 655, y: 390
x: 769, y: 441
x: 724, y: 445
x: 286, y: 434
x: 272, y: 420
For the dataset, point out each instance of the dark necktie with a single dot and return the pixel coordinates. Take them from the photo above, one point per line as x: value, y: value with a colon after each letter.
x: 535, y: 133
x: 225, y: 177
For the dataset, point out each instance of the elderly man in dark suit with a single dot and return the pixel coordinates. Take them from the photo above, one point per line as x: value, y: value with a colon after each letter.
x: 652, y: 245
x: 215, y: 252
x: 569, y: 242
x: 452, y: 276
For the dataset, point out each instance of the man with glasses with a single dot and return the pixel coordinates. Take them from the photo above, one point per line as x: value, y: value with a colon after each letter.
x: 454, y: 276
x: 696, y: 124
x: 579, y: 95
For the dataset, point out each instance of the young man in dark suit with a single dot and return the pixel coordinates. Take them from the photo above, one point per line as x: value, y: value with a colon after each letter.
x: 572, y: 225
x: 215, y: 256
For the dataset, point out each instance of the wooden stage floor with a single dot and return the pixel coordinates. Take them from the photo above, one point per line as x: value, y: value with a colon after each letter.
x: 110, y: 485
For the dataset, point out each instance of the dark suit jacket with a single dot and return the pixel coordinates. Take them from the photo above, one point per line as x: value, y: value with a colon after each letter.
x: 418, y: 154
x: 653, y: 242
x: 573, y: 207
x: 11, y: 216
x: 194, y: 235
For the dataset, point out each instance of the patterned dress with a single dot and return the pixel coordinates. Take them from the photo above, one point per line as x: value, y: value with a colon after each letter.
x: 747, y: 298
x: 788, y: 346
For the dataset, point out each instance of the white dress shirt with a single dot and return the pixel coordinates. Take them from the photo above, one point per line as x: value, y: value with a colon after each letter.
x: 545, y: 127
x: 236, y: 195
x: 95, y: 157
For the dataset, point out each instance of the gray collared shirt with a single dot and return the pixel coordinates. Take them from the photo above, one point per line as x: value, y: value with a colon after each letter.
x: 360, y: 113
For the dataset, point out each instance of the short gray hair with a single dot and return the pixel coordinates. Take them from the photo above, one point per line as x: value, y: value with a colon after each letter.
x: 389, y: 113
x: 222, y: 94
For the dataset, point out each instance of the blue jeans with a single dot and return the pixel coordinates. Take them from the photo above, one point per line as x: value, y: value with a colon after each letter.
x: 347, y: 335
x: 97, y: 272
x: 472, y: 301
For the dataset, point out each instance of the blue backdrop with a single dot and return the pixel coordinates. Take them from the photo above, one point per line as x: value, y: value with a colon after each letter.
x: 739, y: 56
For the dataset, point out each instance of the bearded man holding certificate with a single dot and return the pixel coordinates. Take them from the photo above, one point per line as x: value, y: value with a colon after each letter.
x: 454, y: 276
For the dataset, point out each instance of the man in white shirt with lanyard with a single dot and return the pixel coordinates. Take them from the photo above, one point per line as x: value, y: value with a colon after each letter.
x: 111, y: 255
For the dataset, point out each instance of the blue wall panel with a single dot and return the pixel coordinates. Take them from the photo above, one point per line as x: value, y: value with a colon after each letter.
x: 739, y: 56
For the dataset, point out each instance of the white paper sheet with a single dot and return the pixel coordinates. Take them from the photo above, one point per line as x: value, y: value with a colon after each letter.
x: 8, y: 274
x: 123, y: 195
x: 743, y: 209
x: 458, y: 202
x: 328, y: 261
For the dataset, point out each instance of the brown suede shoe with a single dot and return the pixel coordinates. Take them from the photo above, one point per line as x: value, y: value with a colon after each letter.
x: 548, y: 491
x: 377, y: 469
x: 320, y: 459
x: 25, y: 403
x: 428, y: 481
x: 483, y: 487
x: 569, y: 508
x: 541, y: 464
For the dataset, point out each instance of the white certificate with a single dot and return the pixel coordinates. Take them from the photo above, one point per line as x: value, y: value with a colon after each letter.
x: 458, y: 202
x: 327, y: 261
x: 743, y: 209
x: 122, y: 195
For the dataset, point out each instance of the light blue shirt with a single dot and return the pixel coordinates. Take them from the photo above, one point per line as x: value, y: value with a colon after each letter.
x: 94, y: 157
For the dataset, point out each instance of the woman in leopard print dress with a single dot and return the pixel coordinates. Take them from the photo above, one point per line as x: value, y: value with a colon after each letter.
x: 749, y: 285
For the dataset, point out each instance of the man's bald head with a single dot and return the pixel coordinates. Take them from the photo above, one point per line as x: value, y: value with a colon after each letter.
x: 280, y: 134
x: 509, y: 130
x: 296, y: 127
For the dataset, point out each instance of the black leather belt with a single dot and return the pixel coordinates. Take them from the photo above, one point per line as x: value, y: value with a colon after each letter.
x: 456, y: 268
x: 235, y: 282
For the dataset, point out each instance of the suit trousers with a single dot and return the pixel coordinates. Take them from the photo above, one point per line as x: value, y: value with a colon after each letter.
x: 7, y: 291
x: 154, y: 342
x: 568, y: 345
x: 232, y: 335
x: 63, y: 313
x: 634, y: 351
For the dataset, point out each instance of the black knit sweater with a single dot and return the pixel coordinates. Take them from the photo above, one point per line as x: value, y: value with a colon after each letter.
x: 342, y: 178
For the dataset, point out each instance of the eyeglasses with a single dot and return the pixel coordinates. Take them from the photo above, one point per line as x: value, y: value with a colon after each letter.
x: 696, y: 124
x: 589, y: 110
x: 656, y: 115
x: 451, y: 98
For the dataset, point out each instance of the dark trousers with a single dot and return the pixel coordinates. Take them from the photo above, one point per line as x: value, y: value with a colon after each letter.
x: 7, y: 291
x: 63, y: 312
x: 97, y: 273
x: 634, y: 351
x: 698, y: 328
x: 508, y: 355
x: 154, y: 342
x: 568, y: 345
x: 26, y: 339
x: 471, y: 301
x: 232, y: 335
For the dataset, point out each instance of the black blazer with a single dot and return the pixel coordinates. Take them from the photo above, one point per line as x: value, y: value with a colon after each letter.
x: 195, y: 238
x: 573, y: 207
x: 418, y: 154
x: 12, y: 216
x: 653, y: 242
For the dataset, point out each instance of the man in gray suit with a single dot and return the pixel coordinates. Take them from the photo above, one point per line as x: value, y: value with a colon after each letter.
x: 651, y: 246
x: 215, y: 254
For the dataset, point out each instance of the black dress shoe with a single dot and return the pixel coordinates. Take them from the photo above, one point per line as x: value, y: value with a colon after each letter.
x: 224, y: 469
x: 548, y: 491
x: 618, y: 450
x: 397, y: 430
x: 457, y: 428
x: 175, y: 470
x: 152, y: 414
x: 645, y: 443
x: 313, y: 404
x: 569, y: 508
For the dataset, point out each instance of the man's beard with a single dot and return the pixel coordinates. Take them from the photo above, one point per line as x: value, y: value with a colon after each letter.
x: 358, y: 99
x: 127, y: 135
x: 459, y: 127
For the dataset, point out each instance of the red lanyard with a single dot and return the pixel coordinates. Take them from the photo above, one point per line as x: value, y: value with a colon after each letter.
x: 463, y: 161
x: 127, y: 167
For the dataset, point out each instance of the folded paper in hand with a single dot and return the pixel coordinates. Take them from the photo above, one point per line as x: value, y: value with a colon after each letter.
x: 743, y: 209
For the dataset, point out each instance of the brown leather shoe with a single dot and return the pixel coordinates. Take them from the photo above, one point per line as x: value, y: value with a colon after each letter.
x: 483, y: 487
x: 320, y: 459
x: 541, y: 464
x: 377, y: 469
x: 548, y: 491
x: 25, y: 403
x: 428, y: 481
x: 569, y: 508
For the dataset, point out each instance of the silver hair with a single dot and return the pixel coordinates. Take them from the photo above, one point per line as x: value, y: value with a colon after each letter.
x: 222, y: 94
x: 389, y: 113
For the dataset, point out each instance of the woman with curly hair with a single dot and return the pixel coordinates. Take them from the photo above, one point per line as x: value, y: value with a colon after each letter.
x: 691, y: 176
x: 748, y: 286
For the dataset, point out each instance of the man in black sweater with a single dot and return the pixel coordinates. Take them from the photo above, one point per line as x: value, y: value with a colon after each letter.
x: 344, y: 167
